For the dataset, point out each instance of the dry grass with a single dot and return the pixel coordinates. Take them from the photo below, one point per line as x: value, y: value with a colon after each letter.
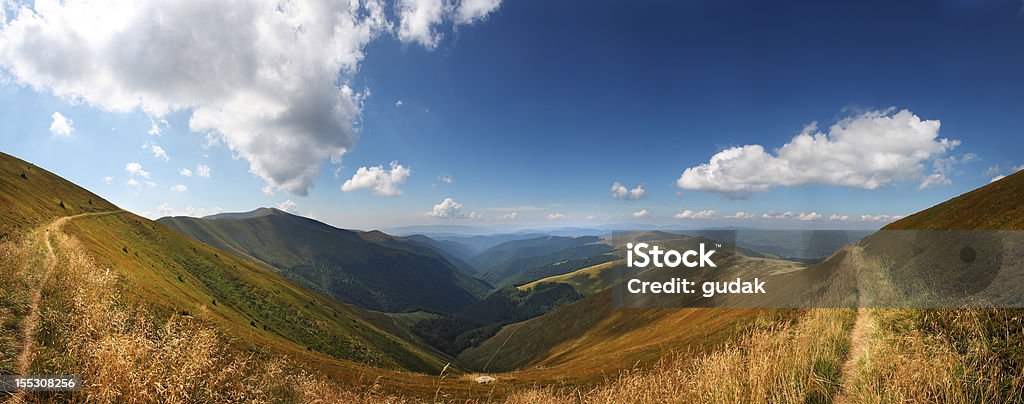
x: 20, y: 262
x: 953, y: 356
x: 776, y: 362
x: 124, y: 355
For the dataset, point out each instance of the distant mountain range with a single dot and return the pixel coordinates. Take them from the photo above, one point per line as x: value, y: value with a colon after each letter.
x: 370, y: 269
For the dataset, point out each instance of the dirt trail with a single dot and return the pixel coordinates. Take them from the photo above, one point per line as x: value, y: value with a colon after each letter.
x: 860, y: 337
x: 31, y: 322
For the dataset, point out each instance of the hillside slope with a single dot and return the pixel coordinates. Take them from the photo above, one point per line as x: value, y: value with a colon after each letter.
x: 156, y: 277
x: 341, y: 263
x: 996, y: 206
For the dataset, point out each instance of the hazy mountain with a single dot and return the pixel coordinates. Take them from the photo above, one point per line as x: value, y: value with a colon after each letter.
x: 369, y: 269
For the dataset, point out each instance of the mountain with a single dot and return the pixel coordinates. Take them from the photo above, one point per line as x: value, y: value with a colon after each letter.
x: 369, y: 269
x: 135, y: 295
x: 454, y: 248
x: 996, y: 206
x: 503, y: 263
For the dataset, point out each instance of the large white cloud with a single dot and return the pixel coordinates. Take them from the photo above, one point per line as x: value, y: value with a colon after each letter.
x: 470, y: 11
x: 268, y: 78
x: 869, y: 151
x: 382, y: 181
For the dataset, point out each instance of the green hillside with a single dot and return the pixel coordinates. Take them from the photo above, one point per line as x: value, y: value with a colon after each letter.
x: 996, y: 206
x: 341, y: 263
x: 156, y: 277
x: 504, y: 263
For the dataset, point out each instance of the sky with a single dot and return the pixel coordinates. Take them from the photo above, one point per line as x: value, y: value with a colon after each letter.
x: 519, y: 114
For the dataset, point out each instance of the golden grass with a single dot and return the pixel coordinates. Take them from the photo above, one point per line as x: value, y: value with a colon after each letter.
x: 124, y: 355
x: 20, y: 261
x: 953, y: 356
x: 775, y: 362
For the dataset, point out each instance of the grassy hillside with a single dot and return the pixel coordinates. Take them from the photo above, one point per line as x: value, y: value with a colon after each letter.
x: 341, y: 263
x: 996, y: 206
x: 31, y: 196
x: 505, y: 263
x: 133, y: 305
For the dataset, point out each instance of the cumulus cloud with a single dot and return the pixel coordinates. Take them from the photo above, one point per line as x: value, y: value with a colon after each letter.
x: 447, y: 209
x: 184, y: 172
x: 399, y: 103
x: 557, y: 216
x: 839, y: 218
x: 179, y: 188
x: 382, y: 181
x: 418, y: 20
x: 203, y: 170
x: 741, y: 215
x: 61, y: 125
x: 996, y: 178
x: 869, y: 151
x: 510, y: 216
x: 108, y: 179
x: 690, y: 214
x: 135, y: 169
x: 475, y: 215
x: 641, y: 214
x: 620, y: 191
x: 268, y: 79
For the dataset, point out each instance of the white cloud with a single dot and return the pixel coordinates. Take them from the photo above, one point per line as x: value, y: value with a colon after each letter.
x: 203, y: 170
x: 557, y: 216
x: 839, y: 218
x: 399, y: 103
x: 154, y: 128
x: 179, y: 188
x: 620, y: 191
x: 165, y: 210
x: 741, y: 215
x: 807, y: 217
x: 993, y: 170
x: 184, y: 172
x: 287, y: 206
x: 267, y: 190
x: 641, y: 214
x: 158, y: 152
x: 135, y: 169
x: 475, y: 215
x: 269, y: 79
x: 510, y: 216
x: 773, y: 215
x: 869, y: 151
x: 934, y: 180
x: 382, y: 181
x: 418, y: 20
x: 470, y: 11
x: 446, y: 179
x: 690, y: 214
x: 880, y: 218
x: 61, y: 125
x: 997, y: 178
x: 448, y: 208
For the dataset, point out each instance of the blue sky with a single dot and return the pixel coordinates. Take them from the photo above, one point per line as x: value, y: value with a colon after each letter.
x: 537, y: 108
